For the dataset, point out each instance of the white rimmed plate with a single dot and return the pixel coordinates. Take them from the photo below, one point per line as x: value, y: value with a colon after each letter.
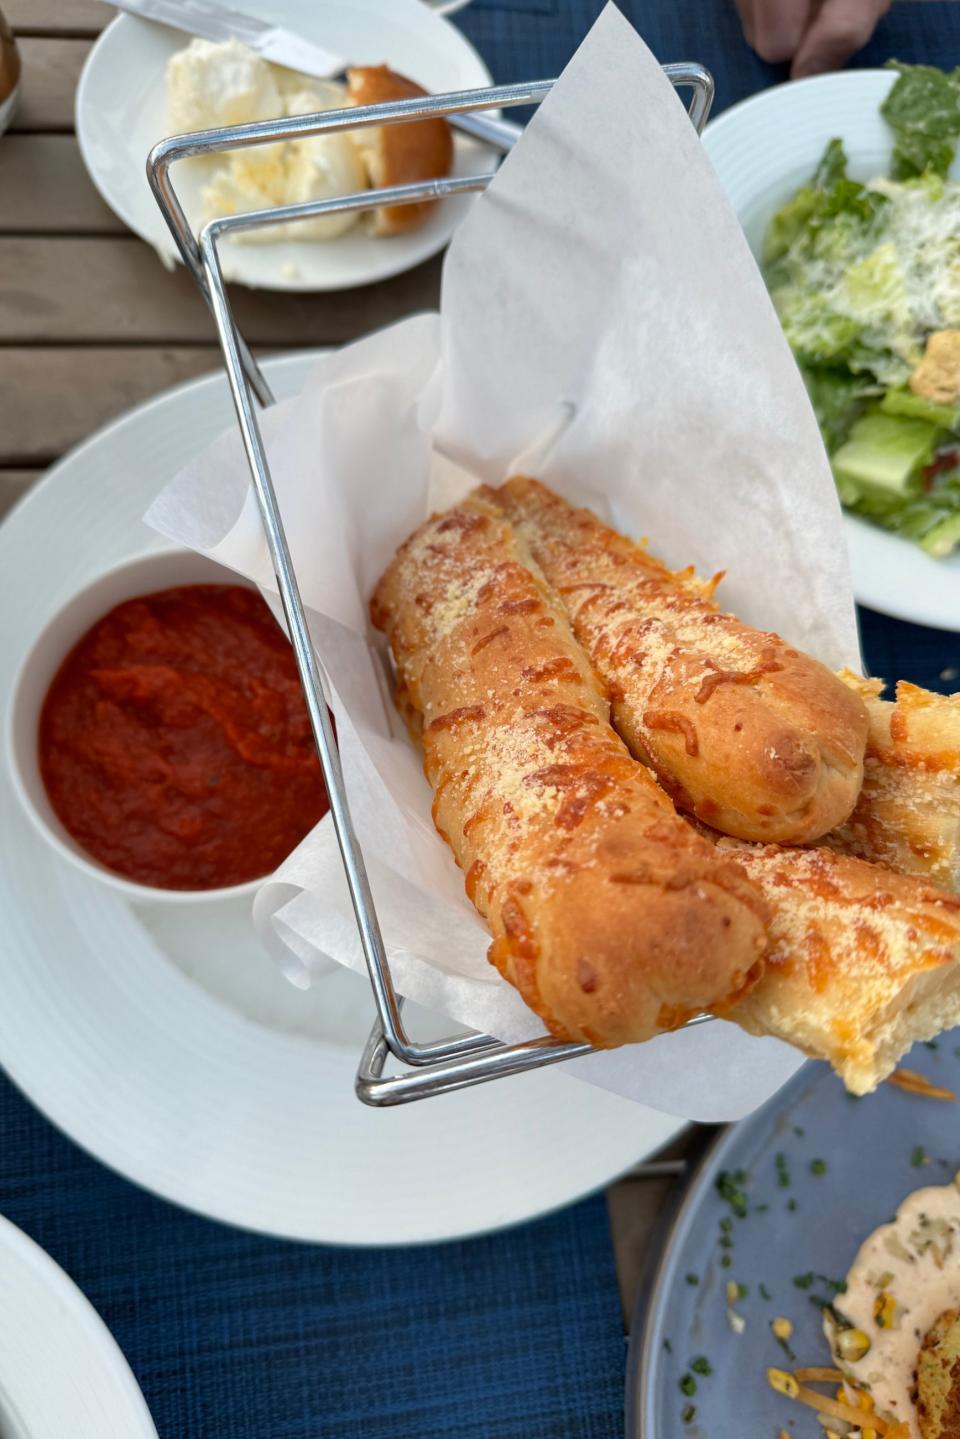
x: 763, y: 150
x: 121, y: 113
x: 166, y: 1044
x: 61, y: 1372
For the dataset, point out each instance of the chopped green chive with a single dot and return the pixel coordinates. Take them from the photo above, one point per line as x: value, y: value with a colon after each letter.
x: 818, y: 1166
x: 764, y: 1292
x: 702, y: 1365
x: 668, y: 1346
x: 689, y: 1413
x: 693, y: 1279
x: 729, y: 1187
x: 725, y: 1261
x: 798, y: 1131
x: 918, y: 1157
x: 931, y: 1044
x: 688, y: 1385
x: 804, y: 1281
x: 742, y: 1291
x: 760, y: 1208
x: 792, y: 1205
x: 783, y: 1173
x: 786, y: 1349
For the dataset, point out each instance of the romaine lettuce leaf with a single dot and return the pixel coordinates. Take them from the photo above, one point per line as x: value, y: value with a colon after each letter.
x: 825, y: 218
x: 874, y: 290
x: 923, y: 110
x: 916, y: 407
x: 815, y: 332
x: 929, y: 520
x: 885, y: 452
x: 838, y: 399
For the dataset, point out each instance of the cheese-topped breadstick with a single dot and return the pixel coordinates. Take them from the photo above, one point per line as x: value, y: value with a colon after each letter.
x: 751, y: 736
x: 612, y: 918
x: 908, y: 813
x: 863, y: 962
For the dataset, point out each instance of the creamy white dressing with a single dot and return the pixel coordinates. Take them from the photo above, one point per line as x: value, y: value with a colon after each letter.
x: 916, y: 1262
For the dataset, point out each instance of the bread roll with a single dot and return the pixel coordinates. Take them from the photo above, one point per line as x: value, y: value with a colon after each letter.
x: 863, y: 962
x: 751, y: 736
x: 908, y: 813
x: 612, y: 918
x: 398, y: 154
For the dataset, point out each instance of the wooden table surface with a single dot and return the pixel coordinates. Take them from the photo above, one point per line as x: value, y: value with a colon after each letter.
x: 91, y: 323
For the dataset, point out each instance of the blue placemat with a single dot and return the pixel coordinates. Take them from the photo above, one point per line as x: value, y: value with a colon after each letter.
x: 517, y: 1336
x: 233, y: 1336
x: 534, y: 39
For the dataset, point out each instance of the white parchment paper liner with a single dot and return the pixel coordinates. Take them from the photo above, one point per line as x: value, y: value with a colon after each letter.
x: 602, y: 325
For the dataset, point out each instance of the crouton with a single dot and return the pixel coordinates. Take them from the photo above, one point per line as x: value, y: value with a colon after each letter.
x: 937, y: 377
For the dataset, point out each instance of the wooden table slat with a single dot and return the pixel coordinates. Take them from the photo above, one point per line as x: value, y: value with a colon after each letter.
x: 57, y: 17
x: 115, y: 290
x: 46, y: 189
x: 53, y: 398
x: 13, y: 484
x: 51, y: 69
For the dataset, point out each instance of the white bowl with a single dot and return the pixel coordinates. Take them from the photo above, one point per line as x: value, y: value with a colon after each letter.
x: 763, y: 150
x: 143, y: 576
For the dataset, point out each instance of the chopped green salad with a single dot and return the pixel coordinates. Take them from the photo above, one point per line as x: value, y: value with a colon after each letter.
x: 866, y: 281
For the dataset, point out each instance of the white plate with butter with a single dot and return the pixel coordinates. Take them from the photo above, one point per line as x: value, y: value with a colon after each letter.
x: 61, y: 1371
x: 122, y: 110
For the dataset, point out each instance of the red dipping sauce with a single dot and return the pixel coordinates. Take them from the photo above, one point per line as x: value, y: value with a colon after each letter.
x: 174, y: 741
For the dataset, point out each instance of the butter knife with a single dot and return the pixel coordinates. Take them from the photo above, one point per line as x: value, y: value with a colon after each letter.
x: 212, y: 21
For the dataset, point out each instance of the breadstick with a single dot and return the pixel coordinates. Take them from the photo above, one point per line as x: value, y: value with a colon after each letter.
x: 908, y: 813
x: 751, y: 736
x: 863, y: 962
x: 612, y: 918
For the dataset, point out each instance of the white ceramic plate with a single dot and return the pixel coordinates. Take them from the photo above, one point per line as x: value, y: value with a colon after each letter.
x: 763, y: 150
x: 61, y: 1372
x: 165, y: 1042
x: 121, y: 113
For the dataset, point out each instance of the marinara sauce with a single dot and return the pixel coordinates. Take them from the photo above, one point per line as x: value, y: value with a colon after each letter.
x: 174, y: 741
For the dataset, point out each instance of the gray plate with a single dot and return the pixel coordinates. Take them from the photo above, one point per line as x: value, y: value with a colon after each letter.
x: 812, y: 1224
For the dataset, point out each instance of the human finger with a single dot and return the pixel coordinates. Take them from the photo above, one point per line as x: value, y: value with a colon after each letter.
x: 838, y: 30
x: 777, y: 27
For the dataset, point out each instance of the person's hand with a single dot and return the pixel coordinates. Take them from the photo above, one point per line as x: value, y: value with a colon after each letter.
x: 814, y: 35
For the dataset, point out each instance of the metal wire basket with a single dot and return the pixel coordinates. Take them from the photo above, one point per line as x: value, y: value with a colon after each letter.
x: 444, y: 1065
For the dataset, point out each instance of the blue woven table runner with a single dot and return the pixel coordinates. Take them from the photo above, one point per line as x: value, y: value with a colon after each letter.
x: 234, y: 1336
x: 516, y: 1336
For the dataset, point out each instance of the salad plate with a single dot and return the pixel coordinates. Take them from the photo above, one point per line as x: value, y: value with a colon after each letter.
x: 165, y: 1041
x: 61, y: 1371
x: 765, y: 150
x: 766, y: 1231
x: 121, y: 111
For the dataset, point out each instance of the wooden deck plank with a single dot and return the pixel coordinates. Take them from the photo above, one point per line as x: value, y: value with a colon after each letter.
x: 101, y: 291
x: 57, y: 17
x: 51, y: 69
x: 53, y: 398
x: 13, y: 484
x: 46, y: 189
